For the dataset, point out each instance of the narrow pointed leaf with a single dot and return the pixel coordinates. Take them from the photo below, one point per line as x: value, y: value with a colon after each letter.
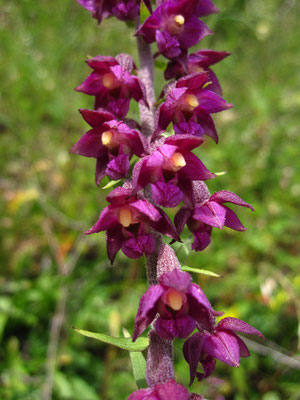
x: 138, y: 363
x: 138, y: 368
x: 160, y: 64
x: 144, y: 12
x: 123, y: 343
x: 200, y: 271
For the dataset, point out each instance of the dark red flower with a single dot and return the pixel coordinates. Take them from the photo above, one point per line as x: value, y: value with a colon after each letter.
x: 170, y: 170
x: 175, y: 27
x: 111, y: 142
x: 222, y: 343
x: 179, y: 303
x: 191, y: 101
x: 196, y: 63
x: 129, y: 221
x: 211, y: 212
x: 113, y: 85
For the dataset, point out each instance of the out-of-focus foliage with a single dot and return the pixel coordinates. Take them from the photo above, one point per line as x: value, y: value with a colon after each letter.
x: 48, y: 198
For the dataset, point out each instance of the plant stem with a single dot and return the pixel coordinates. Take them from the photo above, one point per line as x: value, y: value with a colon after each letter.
x: 159, y: 367
x: 145, y: 73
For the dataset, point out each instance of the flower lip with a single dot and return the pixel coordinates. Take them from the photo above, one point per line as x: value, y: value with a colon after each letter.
x: 174, y: 162
x: 174, y: 299
x: 178, y: 160
x: 125, y: 217
x: 108, y: 80
x: 192, y: 101
x: 106, y: 138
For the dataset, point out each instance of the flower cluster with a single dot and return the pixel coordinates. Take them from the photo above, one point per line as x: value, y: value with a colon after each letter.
x: 161, y: 170
x: 178, y: 306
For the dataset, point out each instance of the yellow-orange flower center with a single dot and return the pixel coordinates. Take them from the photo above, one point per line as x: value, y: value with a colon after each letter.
x: 199, y: 69
x: 179, y: 19
x: 192, y: 101
x: 175, y: 24
x: 174, y: 299
x: 178, y: 160
x: 106, y: 138
x: 108, y: 80
x: 125, y: 217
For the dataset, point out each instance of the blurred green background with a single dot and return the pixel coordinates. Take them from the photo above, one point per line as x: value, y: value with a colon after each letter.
x: 53, y: 278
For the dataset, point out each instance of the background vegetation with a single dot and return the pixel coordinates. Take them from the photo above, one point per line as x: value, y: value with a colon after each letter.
x: 48, y: 197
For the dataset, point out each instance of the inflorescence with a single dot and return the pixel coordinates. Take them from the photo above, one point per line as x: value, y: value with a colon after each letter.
x: 166, y: 174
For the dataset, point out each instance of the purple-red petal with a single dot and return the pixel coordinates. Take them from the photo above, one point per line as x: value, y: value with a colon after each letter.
x: 194, y: 30
x: 192, y: 350
x: 118, y: 167
x: 137, y: 245
x: 201, y: 239
x: 232, y: 220
x: 166, y: 194
x: 176, y: 279
x: 114, y: 241
x: 225, y: 196
x: 164, y: 225
x: 90, y: 145
x: 185, y: 142
x: 223, y: 346
x: 235, y: 324
x: 145, y: 208
x: 96, y: 118
x: 211, y: 213
x: 176, y: 327
x: 147, y: 309
x: 195, y: 169
x: 107, y: 220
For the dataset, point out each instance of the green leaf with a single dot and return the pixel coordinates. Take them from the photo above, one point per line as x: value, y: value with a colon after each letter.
x: 111, y: 183
x: 139, y: 368
x: 144, y: 12
x: 123, y: 343
x: 138, y: 365
x: 160, y: 64
x: 200, y: 271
